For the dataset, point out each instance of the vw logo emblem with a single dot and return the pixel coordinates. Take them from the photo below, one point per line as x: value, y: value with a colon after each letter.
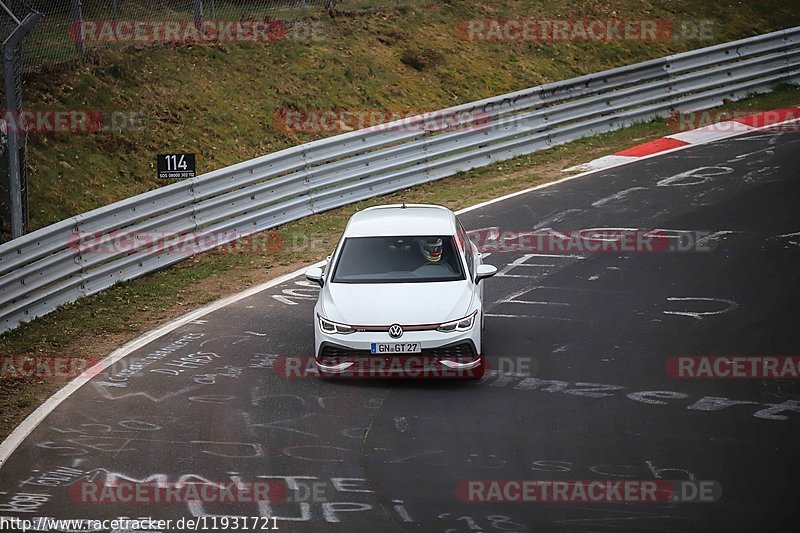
x: 395, y: 331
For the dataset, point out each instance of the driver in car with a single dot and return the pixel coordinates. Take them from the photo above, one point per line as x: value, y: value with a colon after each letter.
x: 424, y: 256
x: 431, y: 249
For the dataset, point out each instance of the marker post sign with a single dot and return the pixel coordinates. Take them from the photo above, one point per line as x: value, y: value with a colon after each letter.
x: 175, y: 166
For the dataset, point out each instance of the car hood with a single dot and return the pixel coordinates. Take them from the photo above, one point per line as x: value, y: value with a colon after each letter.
x: 383, y: 304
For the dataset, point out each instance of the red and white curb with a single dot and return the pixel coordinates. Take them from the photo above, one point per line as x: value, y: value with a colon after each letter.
x: 28, y: 425
x: 712, y: 132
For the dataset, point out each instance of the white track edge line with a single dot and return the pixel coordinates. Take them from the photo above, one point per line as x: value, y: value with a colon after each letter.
x: 34, y: 419
x: 21, y: 432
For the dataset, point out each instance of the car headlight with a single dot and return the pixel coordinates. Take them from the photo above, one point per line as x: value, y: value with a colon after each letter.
x: 333, y: 327
x: 462, y: 324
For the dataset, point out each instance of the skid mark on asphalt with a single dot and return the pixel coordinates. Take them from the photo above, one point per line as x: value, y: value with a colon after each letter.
x: 552, y: 303
x: 621, y: 195
x: 696, y: 176
x: 655, y: 397
x: 555, y: 219
x: 300, y: 290
x: 724, y: 306
x: 537, y: 266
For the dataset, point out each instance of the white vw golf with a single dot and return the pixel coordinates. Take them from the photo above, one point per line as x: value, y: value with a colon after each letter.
x: 401, y: 293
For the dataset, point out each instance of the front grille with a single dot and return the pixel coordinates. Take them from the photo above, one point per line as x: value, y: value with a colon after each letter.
x: 332, y: 350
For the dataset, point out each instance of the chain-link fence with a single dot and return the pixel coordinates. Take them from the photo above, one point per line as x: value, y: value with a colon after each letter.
x: 68, y: 29
x: 71, y: 27
x: 16, y: 21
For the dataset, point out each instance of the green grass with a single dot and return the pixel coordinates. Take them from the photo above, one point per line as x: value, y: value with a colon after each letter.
x: 219, y: 101
x: 52, y: 42
x: 131, y: 307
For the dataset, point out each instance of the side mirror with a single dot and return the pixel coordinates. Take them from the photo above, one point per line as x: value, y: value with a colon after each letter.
x: 315, y: 275
x: 485, y: 271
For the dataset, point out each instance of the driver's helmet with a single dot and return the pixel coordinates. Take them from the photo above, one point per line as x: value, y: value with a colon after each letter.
x: 431, y: 248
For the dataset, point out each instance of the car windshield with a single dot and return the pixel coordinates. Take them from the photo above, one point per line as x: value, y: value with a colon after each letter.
x: 398, y: 260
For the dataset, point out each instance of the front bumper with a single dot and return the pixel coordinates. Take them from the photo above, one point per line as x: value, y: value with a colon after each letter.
x: 458, y: 359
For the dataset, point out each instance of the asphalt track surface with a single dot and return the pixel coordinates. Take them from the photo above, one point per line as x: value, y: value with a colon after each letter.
x: 603, y: 324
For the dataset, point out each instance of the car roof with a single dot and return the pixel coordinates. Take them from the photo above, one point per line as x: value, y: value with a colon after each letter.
x: 402, y: 220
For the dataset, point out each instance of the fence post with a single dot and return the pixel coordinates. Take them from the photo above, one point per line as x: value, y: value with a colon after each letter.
x: 77, y: 22
x: 198, y: 14
x: 12, y: 75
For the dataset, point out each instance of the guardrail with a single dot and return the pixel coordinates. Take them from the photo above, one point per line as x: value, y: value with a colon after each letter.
x: 49, y: 267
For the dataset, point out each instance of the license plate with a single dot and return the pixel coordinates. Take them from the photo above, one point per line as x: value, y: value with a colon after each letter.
x: 396, y: 347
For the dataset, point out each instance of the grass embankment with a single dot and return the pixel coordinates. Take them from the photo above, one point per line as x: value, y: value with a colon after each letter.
x: 219, y: 101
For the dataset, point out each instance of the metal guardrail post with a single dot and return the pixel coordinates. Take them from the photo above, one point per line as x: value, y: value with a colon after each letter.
x: 77, y: 22
x: 198, y: 14
x: 12, y: 97
x: 38, y: 271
